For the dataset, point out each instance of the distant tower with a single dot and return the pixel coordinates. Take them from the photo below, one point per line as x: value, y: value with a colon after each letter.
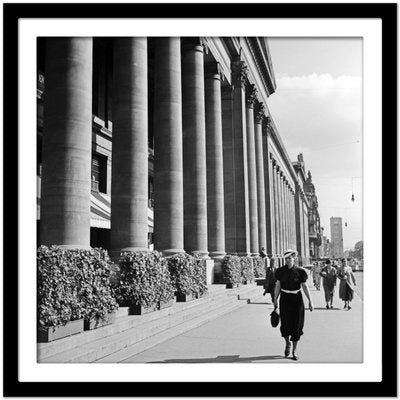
x: 336, y: 237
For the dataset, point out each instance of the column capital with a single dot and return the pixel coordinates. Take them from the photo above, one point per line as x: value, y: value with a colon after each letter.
x: 194, y: 43
x: 260, y: 112
x: 251, y: 95
x: 213, y: 70
x: 266, y: 125
x: 239, y: 72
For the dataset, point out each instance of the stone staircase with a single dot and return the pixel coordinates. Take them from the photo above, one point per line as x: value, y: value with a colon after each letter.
x: 132, y: 334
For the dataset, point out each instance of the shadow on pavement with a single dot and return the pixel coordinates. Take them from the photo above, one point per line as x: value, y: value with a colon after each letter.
x: 219, y: 359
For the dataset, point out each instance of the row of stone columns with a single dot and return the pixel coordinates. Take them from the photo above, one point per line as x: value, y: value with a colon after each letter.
x: 282, y: 208
x: 209, y: 167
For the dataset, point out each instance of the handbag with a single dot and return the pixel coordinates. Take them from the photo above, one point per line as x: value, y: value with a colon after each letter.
x: 274, y: 317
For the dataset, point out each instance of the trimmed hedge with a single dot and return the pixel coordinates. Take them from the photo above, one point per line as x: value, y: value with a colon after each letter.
x: 188, y: 274
x: 247, y: 274
x: 144, y: 279
x: 72, y: 284
x: 231, y: 270
x: 96, y: 293
x: 259, y: 267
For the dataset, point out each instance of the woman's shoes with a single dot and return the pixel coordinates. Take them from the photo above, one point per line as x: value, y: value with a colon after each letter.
x: 327, y: 306
x: 295, y: 357
x: 331, y: 305
x: 348, y: 308
x: 287, y: 349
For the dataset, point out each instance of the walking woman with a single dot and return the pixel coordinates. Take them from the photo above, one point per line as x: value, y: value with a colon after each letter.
x: 329, y: 277
x: 316, y: 275
x: 290, y: 281
x: 270, y: 280
x: 347, y: 280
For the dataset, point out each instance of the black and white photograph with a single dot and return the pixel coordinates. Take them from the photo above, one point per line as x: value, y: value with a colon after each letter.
x: 202, y: 198
x: 172, y: 202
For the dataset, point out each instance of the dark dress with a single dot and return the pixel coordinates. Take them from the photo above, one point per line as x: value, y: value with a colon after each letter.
x: 329, y: 276
x: 291, y: 305
x: 270, y: 281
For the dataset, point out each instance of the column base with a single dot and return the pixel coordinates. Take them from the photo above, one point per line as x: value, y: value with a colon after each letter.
x: 171, y: 252
x: 209, y: 264
x: 72, y: 246
x: 218, y: 258
x: 202, y: 253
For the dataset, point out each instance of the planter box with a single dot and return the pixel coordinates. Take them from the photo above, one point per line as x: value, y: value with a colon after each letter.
x: 45, y: 335
x: 232, y: 285
x: 94, y: 323
x: 184, y: 297
x: 140, y: 310
x: 167, y: 304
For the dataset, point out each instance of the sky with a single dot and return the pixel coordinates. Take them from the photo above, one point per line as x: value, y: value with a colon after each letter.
x: 317, y: 109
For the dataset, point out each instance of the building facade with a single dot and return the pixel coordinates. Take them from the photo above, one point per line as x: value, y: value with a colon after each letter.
x: 165, y: 144
x: 301, y: 210
x: 336, y: 237
x: 314, y: 224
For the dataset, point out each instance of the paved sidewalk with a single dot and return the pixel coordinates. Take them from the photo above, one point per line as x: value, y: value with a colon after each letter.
x: 246, y: 336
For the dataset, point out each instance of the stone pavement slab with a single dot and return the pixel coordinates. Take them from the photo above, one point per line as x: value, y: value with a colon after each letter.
x: 246, y: 336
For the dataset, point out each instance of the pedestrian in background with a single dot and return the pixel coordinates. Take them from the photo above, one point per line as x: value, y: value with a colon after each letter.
x: 329, y: 278
x: 315, y: 271
x: 347, y: 280
x: 270, y: 279
x: 290, y: 280
x: 263, y: 254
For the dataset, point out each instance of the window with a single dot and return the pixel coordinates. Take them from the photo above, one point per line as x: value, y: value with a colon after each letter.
x: 99, y: 173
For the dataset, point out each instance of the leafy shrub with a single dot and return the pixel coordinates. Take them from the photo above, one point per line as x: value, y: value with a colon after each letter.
x: 188, y: 273
x: 231, y: 270
x: 72, y: 284
x: 247, y: 274
x: 57, y: 290
x: 144, y: 279
x: 259, y: 267
x: 95, y: 291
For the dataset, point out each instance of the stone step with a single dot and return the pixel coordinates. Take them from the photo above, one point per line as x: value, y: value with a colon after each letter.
x: 128, y: 330
x: 102, y: 347
x: 124, y: 322
x: 126, y: 353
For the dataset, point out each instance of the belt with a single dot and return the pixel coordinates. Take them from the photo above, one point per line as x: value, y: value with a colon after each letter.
x: 291, y: 291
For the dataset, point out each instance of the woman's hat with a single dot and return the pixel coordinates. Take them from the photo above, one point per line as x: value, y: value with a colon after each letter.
x: 328, y: 261
x: 289, y: 252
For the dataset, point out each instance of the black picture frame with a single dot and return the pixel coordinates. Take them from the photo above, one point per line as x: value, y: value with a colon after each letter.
x: 11, y: 247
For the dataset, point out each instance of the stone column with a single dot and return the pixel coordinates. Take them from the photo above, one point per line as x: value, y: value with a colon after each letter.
x: 129, y: 194
x: 67, y: 143
x: 215, y: 166
x: 277, y: 208
x: 269, y: 197
x: 286, y: 215
x: 261, y: 186
x: 168, y: 154
x: 290, y: 219
x: 229, y: 169
x: 252, y: 170
x: 293, y: 218
x: 242, y: 229
x: 281, y: 213
x: 269, y: 191
x: 194, y: 147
